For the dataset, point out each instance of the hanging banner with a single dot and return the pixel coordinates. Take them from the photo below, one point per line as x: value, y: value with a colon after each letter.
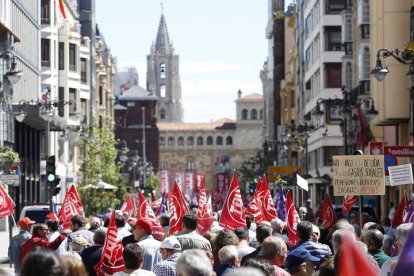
x: 358, y: 175
x: 189, y: 185
x: 164, y: 181
x: 179, y: 178
x: 222, y: 187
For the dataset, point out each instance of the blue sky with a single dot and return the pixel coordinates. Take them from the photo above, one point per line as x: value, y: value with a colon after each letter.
x: 221, y: 44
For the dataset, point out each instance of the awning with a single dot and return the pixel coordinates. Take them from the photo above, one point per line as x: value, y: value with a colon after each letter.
x: 4, y: 28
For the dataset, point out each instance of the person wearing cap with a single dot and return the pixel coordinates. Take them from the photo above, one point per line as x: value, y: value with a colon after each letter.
x: 170, y: 250
x: 25, y: 225
x: 142, y: 229
x: 92, y: 254
x: 39, y: 239
x: 301, y: 263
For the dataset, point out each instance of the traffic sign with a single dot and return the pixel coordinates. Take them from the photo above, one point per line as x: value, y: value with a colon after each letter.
x: 284, y: 170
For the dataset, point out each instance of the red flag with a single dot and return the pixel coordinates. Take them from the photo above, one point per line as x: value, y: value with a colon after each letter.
x: 111, y: 258
x: 259, y: 192
x: 178, y: 208
x: 255, y: 210
x: 62, y: 8
x: 328, y: 215
x: 399, y: 214
x: 129, y: 207
x: 52, y: 216
x: 145, y: 211
x: 71, y: 206
x: 269, y: 209
x: 152, y: 199
x: 352, y: 261
x: 205, y: 217
x: 349, y: 201
x: 232, y: 215
x: 292, y: 220
x: 6, y: 203
x: 363, y: 133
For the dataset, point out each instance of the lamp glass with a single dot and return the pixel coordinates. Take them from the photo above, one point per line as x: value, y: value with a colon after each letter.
x: 20, y: 116
x: 46, y: 115
x: 14, y: 77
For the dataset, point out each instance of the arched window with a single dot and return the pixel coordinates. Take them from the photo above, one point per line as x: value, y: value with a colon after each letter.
x: 171, y: 141
x: 162, y: 141
x: 162, y: 91
x: 229, y: 140
x: 200, y: 141
x: 162, y: 71
x: 261, y: 114
x: 190, y: 141
x: 253, y: 114
x: 244, y: 114
x: 219, y: 140
x: 180, y: 141
x: 209, y: 140
x: 162, y: 114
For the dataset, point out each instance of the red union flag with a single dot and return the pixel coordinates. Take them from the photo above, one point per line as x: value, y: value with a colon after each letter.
x: 111, y: 258
x: 205, y: 217
x: 6, y: 203
x: 145, y: 211
x: 71, y: 206
x: 259, y: 192
x: 328, y: 215
x: 292, y: 220
x: 255, y: 210
x: 232, y: 215
x: 349, y: 201
x: 129, y: 207
x: 178, y: 209
x: 269, y: 209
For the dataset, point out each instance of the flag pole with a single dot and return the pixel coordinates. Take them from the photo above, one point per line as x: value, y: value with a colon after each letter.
x: 360, y: 211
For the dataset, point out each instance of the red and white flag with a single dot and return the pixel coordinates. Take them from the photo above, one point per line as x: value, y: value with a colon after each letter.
x: 145, y: 211
x: 269, y: 209
x: 232, y: 215
x: 129, y: 207
x: 402, y: 208
x: 349, y: 201
x: 255, y: 210
x: 6, y: 203
x: 164, y: 179
x: 328, y: 215
x: 111, y: 258
x: 292, y: 220
x: 62, y: 8
x: 71, y: 206
x: 178, y: 208
x: 205, y: 216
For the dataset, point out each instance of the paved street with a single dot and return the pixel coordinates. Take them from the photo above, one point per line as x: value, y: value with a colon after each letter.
x: 4, y: 246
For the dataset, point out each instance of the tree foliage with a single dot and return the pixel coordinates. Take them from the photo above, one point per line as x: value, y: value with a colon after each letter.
x: 99, y: 163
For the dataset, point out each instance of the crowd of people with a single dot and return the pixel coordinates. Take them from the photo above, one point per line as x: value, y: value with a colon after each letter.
x: 43, y: 249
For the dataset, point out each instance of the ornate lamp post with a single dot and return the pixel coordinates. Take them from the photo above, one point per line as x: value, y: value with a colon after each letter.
x: 345, y: 106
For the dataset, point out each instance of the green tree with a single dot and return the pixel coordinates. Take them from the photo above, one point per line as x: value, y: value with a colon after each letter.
x: 153, y: 183
x: 99, y: 163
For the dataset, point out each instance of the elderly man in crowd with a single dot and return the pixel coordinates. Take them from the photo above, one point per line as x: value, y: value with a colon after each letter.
x: 374, y: 240
x: 301, y: 263
x: 277, y: 229
x: 189, y: 238
x: 401, y: 237
x: 194, y: 262
x: 142, y: 229
x: 92, y: 255
x: 274, y: 251
x: 25, y: 225
x: 229, y: 259
x: 170, y: 250
x: 262, y: 232
x: 304, y: 233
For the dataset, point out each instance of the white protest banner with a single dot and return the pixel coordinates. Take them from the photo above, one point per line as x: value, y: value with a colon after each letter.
x: 358, y: 175
x: 400, y: 175
x: 303, y: 183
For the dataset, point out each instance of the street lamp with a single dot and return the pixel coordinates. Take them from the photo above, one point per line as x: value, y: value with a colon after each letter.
x: 345, y: 105
x: 47, y: 112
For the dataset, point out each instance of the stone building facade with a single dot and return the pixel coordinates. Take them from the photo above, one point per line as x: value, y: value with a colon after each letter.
x: 214, y: 147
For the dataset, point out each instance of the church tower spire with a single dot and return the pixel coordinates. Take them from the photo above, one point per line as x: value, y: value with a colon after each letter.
x: 163, y: 76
